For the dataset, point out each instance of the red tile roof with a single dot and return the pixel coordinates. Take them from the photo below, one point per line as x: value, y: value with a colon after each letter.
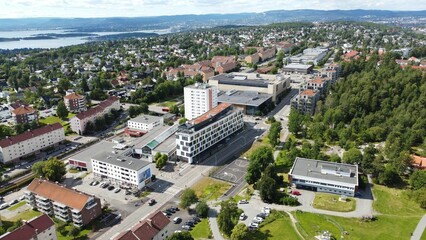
x: 57, y: 193
x: 73, y: 96
x: 146, y: 229
x: 23, y: 110
x: 419, y: 162
x: 219, y: 108
x: 127, y: 235
x: 29, y: 134
x: 99, y: 108
x: 308, y: 92
x: 351, y: 54
x: 30, y: 229
x: 317, y: 80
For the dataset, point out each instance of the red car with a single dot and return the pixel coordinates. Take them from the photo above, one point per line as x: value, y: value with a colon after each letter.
x: 297, y: 193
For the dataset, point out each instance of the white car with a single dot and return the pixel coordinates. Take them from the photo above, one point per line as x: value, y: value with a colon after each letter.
x: 257, y: 219
x: 266, y: 210
x: 254, y: 225
x: 242, y: 216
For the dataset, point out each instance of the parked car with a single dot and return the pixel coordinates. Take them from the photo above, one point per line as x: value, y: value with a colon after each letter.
x: 243, y: 201
x: 175, y: 208
x: 151, y: 202
x: 21, y: 198
x: 262, y: 215
x: 196, y: 219
x: 14, y: 201
x: 171, y: 210
x: 257, y: 219
x: 186, y: 227
x: 254, y: 225
x: 166, y: 213
x: 127, y: 192
x: 242, y: 216
x: 4, y: 205
x: 295, y: 192
x: 110, y: 188
x: 117, y: 190
x: 190, y: 223
x: 177, y: 220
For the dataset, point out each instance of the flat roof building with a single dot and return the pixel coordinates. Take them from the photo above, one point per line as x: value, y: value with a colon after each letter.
x: 82, y: 160
x: 322, y: 176
x: 299, y: 68
x: 252, y: 103
x: 125, y: 172
x: 142, y: 124
x: 198, y: 99
x: 275, y: 85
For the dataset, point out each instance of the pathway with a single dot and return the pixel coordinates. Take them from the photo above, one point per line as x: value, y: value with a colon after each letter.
x: 421, y: 226
x: 213, y: 223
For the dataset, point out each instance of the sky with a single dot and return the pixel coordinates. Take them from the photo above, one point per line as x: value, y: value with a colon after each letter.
x: 140, y: 8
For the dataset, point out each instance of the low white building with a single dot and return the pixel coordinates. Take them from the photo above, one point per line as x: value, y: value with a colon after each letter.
x: 198, y: 135
x: 125, y: 172
x: 145, y: 122
x: 322, y: 176
x: 30, y: 142
x: 79, y: 122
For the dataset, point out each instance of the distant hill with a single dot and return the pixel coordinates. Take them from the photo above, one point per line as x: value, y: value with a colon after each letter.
x: 186, y: 22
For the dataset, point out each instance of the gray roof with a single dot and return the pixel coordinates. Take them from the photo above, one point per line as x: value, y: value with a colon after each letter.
x: 147, y: 119
x: 86, y: 155
x: 247, y: 98
x: 121, y: 160
x: 149, y: 136
x: 297, y: 65
x: 167, y: 145
x: 338, y: 172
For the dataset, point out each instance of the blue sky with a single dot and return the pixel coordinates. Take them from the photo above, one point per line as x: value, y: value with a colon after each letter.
x: 134, y: 8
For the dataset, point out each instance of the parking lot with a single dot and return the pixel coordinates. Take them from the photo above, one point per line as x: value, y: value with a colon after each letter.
x: 183, y: 214
x: 234, y: 172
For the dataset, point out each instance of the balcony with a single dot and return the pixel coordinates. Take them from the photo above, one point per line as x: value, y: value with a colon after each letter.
x: 46, y: 211
x: 65, y: 219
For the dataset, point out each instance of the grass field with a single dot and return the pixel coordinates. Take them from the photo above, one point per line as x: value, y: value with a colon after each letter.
x: 83, y: 232
x: 277, y: 226
x: 263, y: 142
x: 201, y: 230
x: 16, y: 206
x: 53, y: 119
x: 210, y: 189
x: 168, y: 103
x: 26, y: 215
x: 397, y: 219
x: 331, y: 202
x: 423, y: 237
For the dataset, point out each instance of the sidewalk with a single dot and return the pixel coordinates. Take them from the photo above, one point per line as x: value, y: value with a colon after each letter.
x: 212, y: 216
x: 421, y: 226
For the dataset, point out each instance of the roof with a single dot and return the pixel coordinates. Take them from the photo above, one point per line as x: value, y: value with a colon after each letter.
x: 167, y: 145
x: 249, y: 79
x: 73, y: 96
x: 30, y: 229
x: 101, y: 106
x: 127, y: 235
x: 337, y: 172
x: 147, y: 119
x: 297, y: 66
x: 318, y: 80
x: 121, y: 160
x: 154, y: 134
x: 308, y: 92
x: 9, y: 141
x: 419, y: 162
x: 247, y: 98
x: 213, y: 112
x: 150, y: 227
x: 86, y: 155
x: 23, y: 110
x: 351, y: 54
x: 200, y: 86
x: 69, y: 197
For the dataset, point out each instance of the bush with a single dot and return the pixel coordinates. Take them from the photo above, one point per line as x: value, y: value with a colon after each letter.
x: 74, y: 231
x: 290, y: 201
x: 202, y: 209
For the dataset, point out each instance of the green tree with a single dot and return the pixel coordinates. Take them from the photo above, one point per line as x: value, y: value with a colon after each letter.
x: 74, y: 231
x: 181, y: 236
x: 62, y: 110
x: 418, y: 179
x: 259, y: 160
x: 240, y: 232
x: 64, y: 84
x: 295, y: 121
x: 52, y: 169
x: 188, y: 198
x: 161, y: 161
x: 202, y: 209
x: 274, y: 133
x: 5, y: 131
x: 37, y: 169
x: 84, y: 86
x: 228, y: 216
x: 144, y: 108
x: 352, y: 156
x: 182, y: 120
x: 267, y: 188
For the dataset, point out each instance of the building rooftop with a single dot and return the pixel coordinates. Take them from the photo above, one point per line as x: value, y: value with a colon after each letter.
x: 154, y: 137
x: 167, y: 145
x: 297, y: 66
x: 210, y: 114
x: 338, y: 172
x: 247, y: 98
x: 199, y: 86
x: 23, y: 110
x: 9, y: 141
x: 86, y: 155
x: 146, y: 229
x: 248, y: 79
x: 30, y: 229
x: 308, y: 92
x: 147, y: 119
x: 102, y: 105
x: 121, y: 160
x: 73, y: 95
x: 58, y: 193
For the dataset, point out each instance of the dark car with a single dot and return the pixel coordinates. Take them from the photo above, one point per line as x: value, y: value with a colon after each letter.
x: 261, y: 215
x: 151, y: 202
x: 190, y: 223
x: 111, y: 188
x: 167, y: 213
x: 175, y: 209
x: 196, y: 219
x: 105, y: 185
x: 172, y: 210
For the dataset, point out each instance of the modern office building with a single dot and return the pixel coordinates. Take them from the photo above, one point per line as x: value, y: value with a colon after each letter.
x: 24, y: 114
x: 305, y: 101
x: 144, y: 123
x: 199, y: 98
x: 298, y: 68
x: 310, y: 55
x: 251, y: 103
x: 122, y: 171
x: 37, y: 228
x: 79, y: 122
x: 322, y: 176
x: 63, y: 203
x: 75, y: 102
x: 198, y: 135
x: 275, y: 85
x: 31, y: 142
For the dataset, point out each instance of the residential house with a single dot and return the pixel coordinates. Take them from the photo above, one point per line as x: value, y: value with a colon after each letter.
x: 37, y: 228
x: 24, y: 114
x: 75, y: 102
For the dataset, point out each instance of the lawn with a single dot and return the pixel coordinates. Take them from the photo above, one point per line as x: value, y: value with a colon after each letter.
x: 53, y: 119
x: 277, y: 226
x: 327, y: 201
x: 26, y: 215
x: 16, y: 206
x: 210, y: 189
x: 201, y: 230
x: 263, y: 142
x: 245, y: 193
x: 397, y: 219
x: 423, y: 237
x: 84, y: 232
x: 167, y: 104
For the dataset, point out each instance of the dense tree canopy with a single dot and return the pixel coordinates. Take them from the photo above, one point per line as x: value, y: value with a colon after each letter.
x: 188, y: 198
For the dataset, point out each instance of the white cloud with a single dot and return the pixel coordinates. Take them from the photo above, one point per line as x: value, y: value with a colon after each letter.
x: 107, y: 8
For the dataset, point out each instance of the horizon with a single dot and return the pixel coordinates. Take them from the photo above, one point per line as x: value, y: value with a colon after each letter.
x: 25, y: 9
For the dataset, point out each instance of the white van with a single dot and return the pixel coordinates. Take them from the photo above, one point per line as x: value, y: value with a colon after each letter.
x: 4, y: 205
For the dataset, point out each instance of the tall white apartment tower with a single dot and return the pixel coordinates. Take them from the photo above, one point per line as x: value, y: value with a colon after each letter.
x: 199, y: 99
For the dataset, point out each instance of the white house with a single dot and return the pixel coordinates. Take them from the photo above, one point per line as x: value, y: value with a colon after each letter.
x: 145, y: 122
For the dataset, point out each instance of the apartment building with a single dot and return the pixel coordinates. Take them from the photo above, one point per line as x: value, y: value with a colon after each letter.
x: 31, y: 142
x: 322, y: 176
x: 275, y: 85
x: 37, y: 228
x: 145, y: 123
x: 319, y: 84
x: 198, y: 99
x: 63, y: 203
x: 198, y: 135
x: 223, y: 64
x: 24, y: 114
x: 125, y: 172
x: 265, y: 54
x: 310, y: 55
x: 75, y: 102
x: 252, y: 58
x: 78, y: 123
x: 154, y: 227
x: 305, y: 101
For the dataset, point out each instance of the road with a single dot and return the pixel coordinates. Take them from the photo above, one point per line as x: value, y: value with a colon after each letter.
x: 421, y: 226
